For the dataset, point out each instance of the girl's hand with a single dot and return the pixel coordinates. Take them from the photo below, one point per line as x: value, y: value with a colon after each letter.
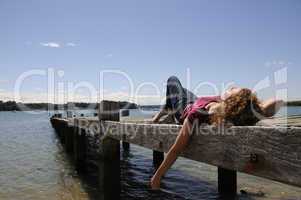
x: 271, y: 106
x: 155, y: 183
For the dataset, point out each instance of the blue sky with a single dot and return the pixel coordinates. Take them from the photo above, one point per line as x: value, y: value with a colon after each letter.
x: 219, y: 41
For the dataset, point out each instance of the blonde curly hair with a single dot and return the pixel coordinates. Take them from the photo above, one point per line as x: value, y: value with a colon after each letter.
x: 241, y: 109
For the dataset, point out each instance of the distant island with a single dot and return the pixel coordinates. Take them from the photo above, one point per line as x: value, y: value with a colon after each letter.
x: 16, y: 106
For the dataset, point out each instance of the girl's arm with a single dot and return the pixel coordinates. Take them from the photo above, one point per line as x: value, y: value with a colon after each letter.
x: 173, y: 153
x: 271, y: 106
x: 158, y: 116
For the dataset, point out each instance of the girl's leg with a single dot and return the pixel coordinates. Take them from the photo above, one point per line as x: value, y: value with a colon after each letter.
x: 176, y: 99
x: 190, y: 96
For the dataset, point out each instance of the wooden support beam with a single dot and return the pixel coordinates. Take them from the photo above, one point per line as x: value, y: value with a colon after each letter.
x: 79, y: 146
x: 109, y: 165
x: 125, y: 146
x: 158, y: 158
x: 109, y: 169
x: 59, y: 125
x: 68, y: 133
x: 227, y: 182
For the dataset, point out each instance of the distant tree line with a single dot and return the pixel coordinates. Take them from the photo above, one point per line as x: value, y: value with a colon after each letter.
x: 150, y: 107
x: 8, y: 106
x: 14, y: 106
x: 293, y: 103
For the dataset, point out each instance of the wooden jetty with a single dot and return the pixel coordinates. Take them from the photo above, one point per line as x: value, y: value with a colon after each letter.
x: 272, y: 152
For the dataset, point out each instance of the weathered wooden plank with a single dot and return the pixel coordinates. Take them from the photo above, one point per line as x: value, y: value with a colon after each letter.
x: 269, y: 152
x: 290, y: 121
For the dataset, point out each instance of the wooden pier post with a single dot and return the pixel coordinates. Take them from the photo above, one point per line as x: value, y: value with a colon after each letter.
x: 68, y: 134
x: 61, y: 131
x: 109, y: 165
x: 125, y: 113
x: 227, y: 182
x: 125, y: 146
x: 158, y: 158
x: 79, y: 146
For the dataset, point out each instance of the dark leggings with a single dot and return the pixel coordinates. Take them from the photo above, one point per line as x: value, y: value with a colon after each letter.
x: 177, y: 97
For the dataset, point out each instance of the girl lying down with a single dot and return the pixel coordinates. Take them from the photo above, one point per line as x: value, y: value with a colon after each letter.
x: 238, y: 106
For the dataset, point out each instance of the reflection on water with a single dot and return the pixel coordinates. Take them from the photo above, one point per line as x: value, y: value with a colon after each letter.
x: 33, y: 165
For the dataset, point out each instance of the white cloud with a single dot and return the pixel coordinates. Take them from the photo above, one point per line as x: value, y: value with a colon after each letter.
x: 71, y: 44
x: 58, y: 45
x: 51, y: 44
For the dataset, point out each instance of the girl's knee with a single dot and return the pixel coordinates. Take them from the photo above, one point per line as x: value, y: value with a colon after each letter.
x: 173, y: 79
